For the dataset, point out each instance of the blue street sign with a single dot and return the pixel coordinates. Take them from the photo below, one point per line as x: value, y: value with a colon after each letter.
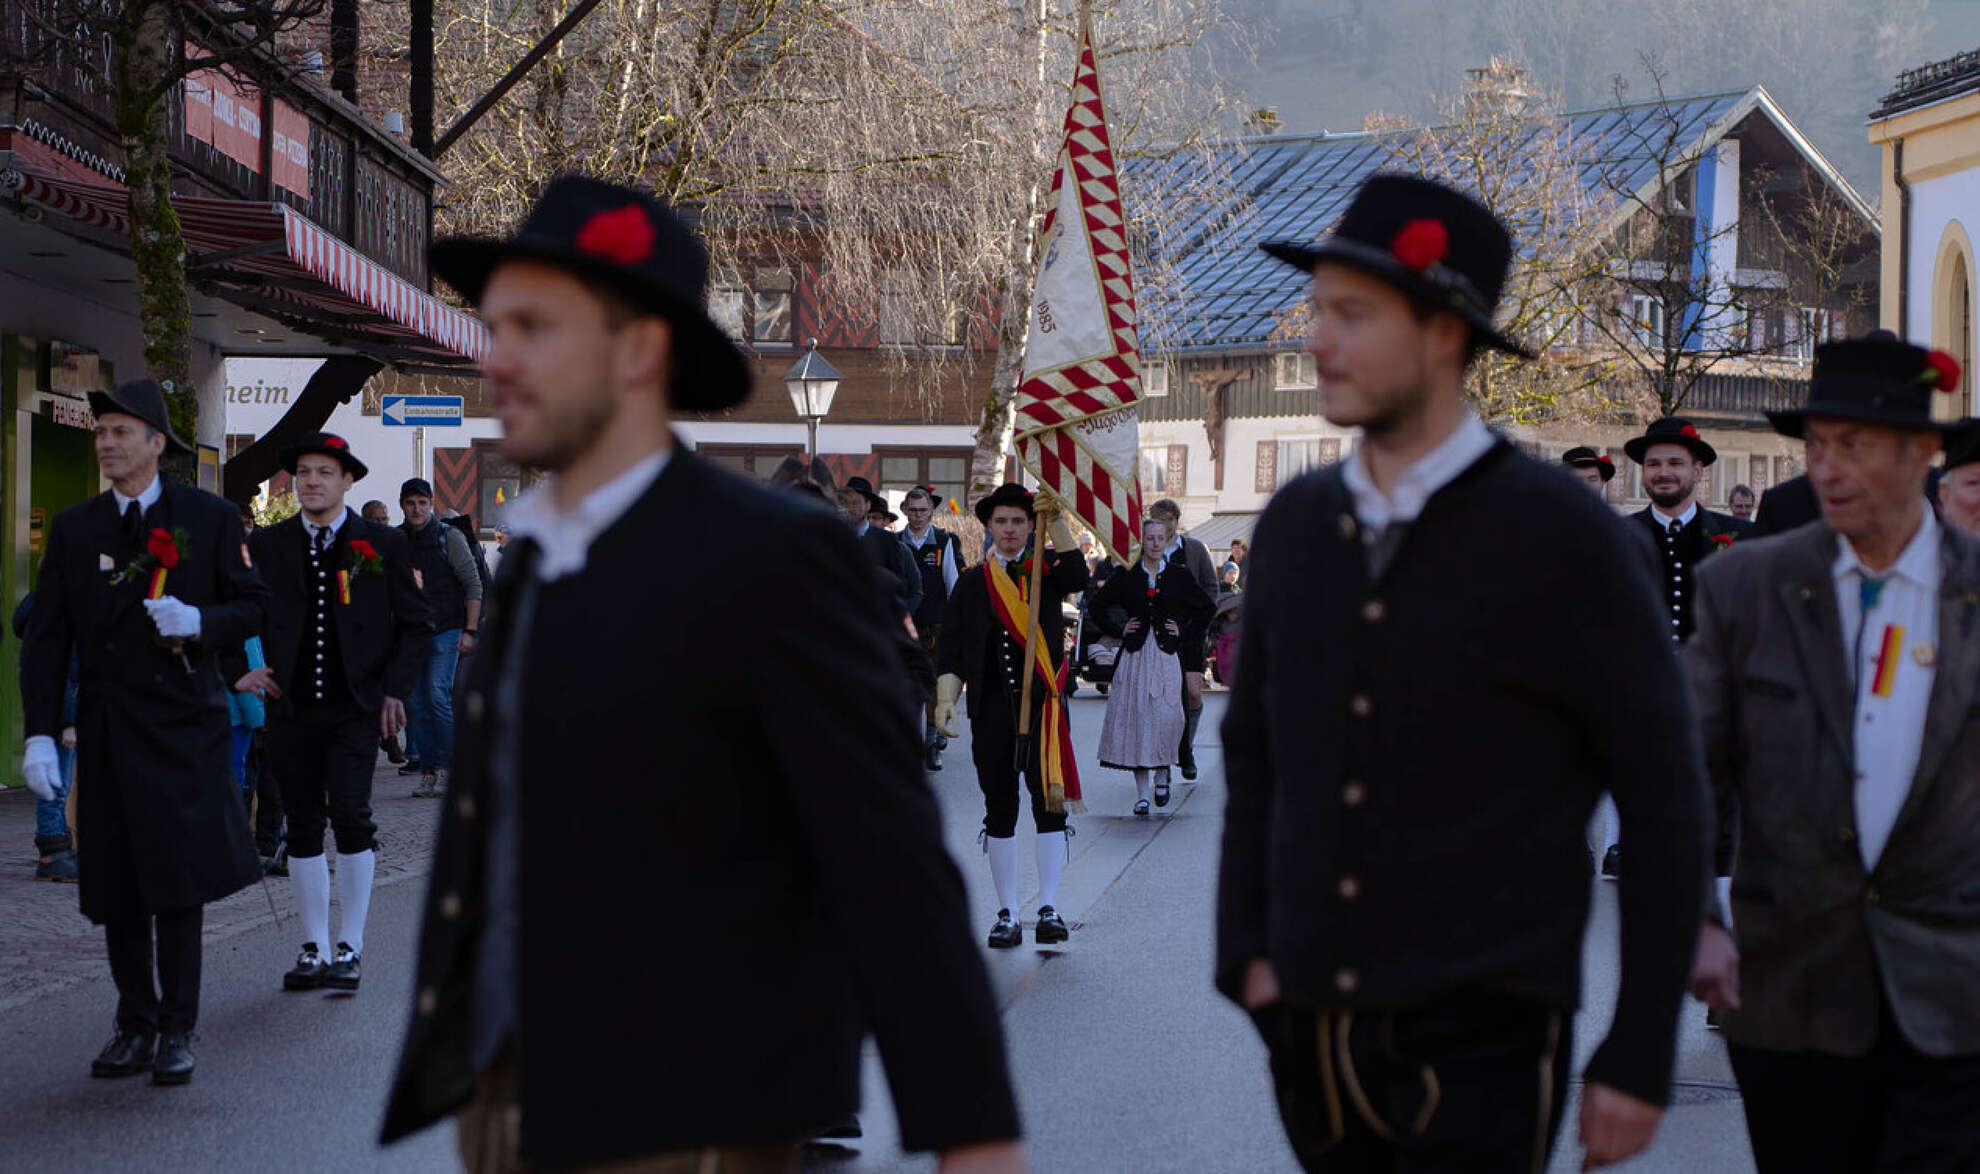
x: 421, y: 411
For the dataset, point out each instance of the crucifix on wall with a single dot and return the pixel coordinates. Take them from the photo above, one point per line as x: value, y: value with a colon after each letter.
x: 1214, y: 382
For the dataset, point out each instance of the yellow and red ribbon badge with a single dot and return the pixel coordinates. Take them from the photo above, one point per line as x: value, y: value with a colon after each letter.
x: 157, y: 583
x: 344, y: 588
x: 1888, y: 656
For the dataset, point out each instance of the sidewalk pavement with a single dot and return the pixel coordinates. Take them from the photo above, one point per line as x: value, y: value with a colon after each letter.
x: 46, y: 944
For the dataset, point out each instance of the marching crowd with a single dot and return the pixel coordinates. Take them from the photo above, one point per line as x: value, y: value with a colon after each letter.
x: 1417, y: 694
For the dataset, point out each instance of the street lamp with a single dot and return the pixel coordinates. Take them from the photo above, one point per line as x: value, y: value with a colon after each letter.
x: 812, y: 383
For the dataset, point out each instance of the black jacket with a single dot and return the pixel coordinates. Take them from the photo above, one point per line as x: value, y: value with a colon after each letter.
x: 969, y: 626
x: 1449, y: 720
x: 154, y: 745
x: 381, y: 632
x: 890, y: 554
x: 761, y: 779
x: 1679, y: 557
x: 1178, y: 597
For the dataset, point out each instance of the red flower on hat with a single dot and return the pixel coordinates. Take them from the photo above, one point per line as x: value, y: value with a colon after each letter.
x: 336, y: 442
x: 623, y: 236
x: 1605, y: 462
x: 1941, y: 371
x: 1688, y: 430
x: 1421, y: 244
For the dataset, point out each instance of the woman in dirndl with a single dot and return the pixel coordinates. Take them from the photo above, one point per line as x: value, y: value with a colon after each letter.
x: 1157, y: 598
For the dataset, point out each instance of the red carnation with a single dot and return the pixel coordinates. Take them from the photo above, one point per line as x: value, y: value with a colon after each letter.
x: 1688, y: 430
x: 162, y: 548
x: 1722, y: 541
x: 623, y: 236
x: 1151, y: 593
x: 1605, y: 462
x: 1941, y: 371
x: 363, y: 549
x: 1421, y: 244
x: 334, y: 442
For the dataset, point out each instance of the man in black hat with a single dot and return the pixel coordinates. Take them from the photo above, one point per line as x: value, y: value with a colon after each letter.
x: 1674, y: 456
x: 1837, y: 669
x: 446, y: 571
x: 344, y: 638
x: 1408, y: 1016
x: 884, y: 546
x: 1959, y: 484
x: 764, y: 773
x: 149, y: 584
x: 1591, y: 468
x: 985, y: 650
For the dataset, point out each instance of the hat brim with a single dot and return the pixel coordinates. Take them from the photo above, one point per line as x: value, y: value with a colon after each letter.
x: 988, y: 506
x: 1607, y: 469
x: 1794, y: 423
x: 292, y: 455
x: 710, y: 372
x: 1385, y: 267
x: 1706, y: 455
x: 102, y: 403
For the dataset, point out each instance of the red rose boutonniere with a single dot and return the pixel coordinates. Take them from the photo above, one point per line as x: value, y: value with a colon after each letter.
x: 1421, y: 244
x: 1723, y: 541
x: 363, y: 557
x: 163, y: 551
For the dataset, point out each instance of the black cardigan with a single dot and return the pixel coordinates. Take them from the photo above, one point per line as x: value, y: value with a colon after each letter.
x: 1178, y: 597
x: 1456, y: 720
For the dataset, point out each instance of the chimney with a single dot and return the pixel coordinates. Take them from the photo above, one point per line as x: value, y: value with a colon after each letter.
x: 1264, y: 121
x: 1499, y: 89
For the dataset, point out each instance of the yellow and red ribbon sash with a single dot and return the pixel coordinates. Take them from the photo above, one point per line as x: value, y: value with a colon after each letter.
x: 344, y: 588
x: 157, y: 584
x: 1061, y: 781
x: 1888, y: 655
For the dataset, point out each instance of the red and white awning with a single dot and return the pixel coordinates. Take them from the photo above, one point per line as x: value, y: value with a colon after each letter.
x: 273, y: 260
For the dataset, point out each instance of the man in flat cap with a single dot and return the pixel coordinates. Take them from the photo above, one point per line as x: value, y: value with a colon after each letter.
x: 345, y: 636
x: 149, y: 583
x: 761, y: 781
x: 1837, y: 669
x: 1413, y: 752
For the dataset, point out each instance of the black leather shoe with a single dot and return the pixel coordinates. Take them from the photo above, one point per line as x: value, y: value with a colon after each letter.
x: 1187, y: 763
x: 393, y: 754
x: 934, y: 762
x: 1162, y: 794
x: 1612, y: 862
x: 844, y: 1130
x: 1051, y: 927
x: 1141, y: 809
x: 1007, y: 932
x: 342, y: 973
x: 410, y: 768
x: 175, y: 1059
x: 308, y: 972
x: 127, y: 1054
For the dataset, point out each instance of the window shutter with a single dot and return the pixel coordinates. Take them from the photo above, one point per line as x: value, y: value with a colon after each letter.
x: 1178, y: 470
x: 1267, y: 477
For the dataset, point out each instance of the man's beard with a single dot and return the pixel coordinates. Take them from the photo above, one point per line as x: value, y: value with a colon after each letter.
x: 1670, y: 499
x: 574, y: 432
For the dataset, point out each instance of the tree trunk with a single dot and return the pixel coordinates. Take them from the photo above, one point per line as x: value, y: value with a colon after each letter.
x: 993, y: 425
x: 142, y: 45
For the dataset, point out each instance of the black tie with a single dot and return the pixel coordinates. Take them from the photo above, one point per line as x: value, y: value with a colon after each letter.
x: 1676, y: 527
x: 322, y: 538
x: 134, y: 527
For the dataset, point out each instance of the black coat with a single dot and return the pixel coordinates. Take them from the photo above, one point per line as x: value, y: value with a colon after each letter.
x: 381, y: 633
x: 1440, y: 735
x: 969, y: 626
x: 890, y: 554
x: 1178, y: 597
x: 739, y: 769
x: 162, y: 822
x: 1680, y: 556
x: 1786, y: 506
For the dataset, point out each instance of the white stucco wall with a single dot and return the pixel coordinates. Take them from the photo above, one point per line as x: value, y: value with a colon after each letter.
x: 1936, y: 205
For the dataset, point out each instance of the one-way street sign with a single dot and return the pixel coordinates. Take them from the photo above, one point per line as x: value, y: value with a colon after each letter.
x: 421, y: 411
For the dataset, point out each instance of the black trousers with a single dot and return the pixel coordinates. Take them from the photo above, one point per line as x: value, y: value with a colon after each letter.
x: 172, y: 1004
x: 1894, y: 1111
x: 1473, y: 1084
x: 993, y: 746
x: 323, y: 755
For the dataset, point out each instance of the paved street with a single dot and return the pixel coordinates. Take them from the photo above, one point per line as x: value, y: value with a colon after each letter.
x: 1125, y: 1059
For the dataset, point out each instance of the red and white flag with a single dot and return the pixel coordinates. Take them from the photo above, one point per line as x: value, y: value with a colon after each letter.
x: 1077, y: 423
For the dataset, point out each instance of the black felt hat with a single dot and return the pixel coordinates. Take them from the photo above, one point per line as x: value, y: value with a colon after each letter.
x: 1434, y: 243
x: 1671, y: 430
x: 634, y: 244
x: 144, y: 399
x: 874, y: 502
x: 1583, y: 457
x: 1878, y: 379
x: 1009, y: 493
x: 1962, y: 443
x: 327, y: 444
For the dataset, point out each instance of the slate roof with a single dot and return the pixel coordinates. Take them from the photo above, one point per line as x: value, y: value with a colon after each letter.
x: 1294, y: 187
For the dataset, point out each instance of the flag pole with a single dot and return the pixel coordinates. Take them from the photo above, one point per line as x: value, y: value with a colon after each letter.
x: 1046, y: 513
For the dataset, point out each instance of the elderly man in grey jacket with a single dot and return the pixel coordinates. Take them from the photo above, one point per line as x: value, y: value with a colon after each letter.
x: 1836, y: 669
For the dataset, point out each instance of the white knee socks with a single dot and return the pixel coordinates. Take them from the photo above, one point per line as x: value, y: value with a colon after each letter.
x: 311, y: 877
x: 1141, y: 783
x: 354, y: 873
x: 1003, y: 869
x: 1051, y: 849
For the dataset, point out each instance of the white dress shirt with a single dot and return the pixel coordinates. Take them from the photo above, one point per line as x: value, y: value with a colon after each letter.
x: 1664, y: 520
x: 147, y: 498
x: 1892, y: 647
x: 333, y: 527
x: 565, y: 535
x: 949, y: 570
x: 1418, y: 483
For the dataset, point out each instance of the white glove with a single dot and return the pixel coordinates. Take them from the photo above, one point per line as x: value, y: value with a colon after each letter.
x: 174, y: 618
x: 41, y: 771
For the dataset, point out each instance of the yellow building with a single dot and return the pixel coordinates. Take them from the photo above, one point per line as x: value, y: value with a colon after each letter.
x: 1929, y: 129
